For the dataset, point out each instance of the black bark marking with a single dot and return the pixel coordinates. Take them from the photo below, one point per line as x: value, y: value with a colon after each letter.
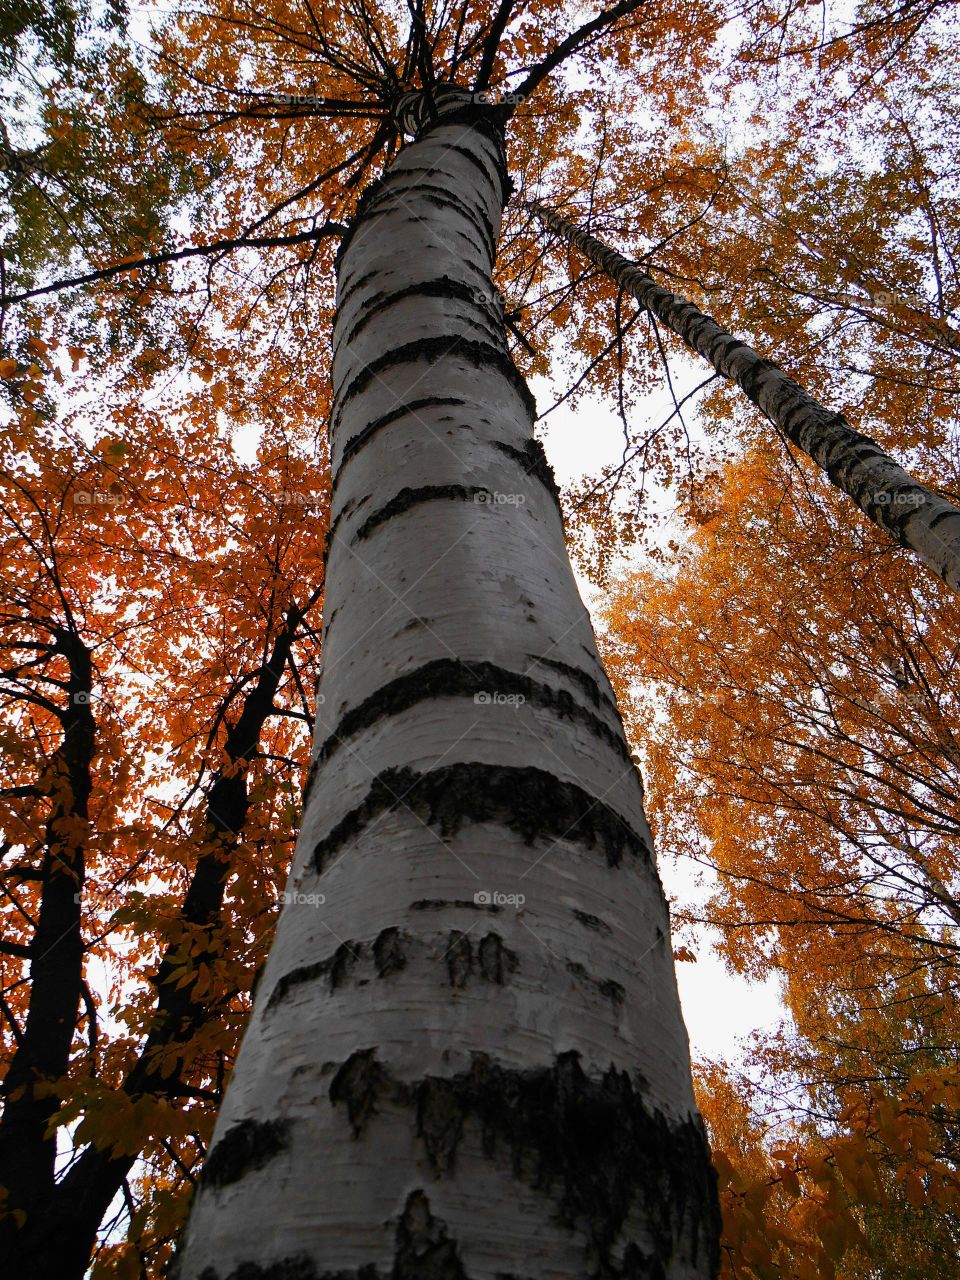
x: 410, y: 407
x: 586, y: 682
x: 407, y: 197
x: 360, y: 1083
x: 308, y: 785
x: 299, y: 1267
x: 393, y: 948
x: 533, y: 461
x: 595, y: 1143
x: 424, y: 1251
x: 336, y: 967
x: 530, y: 801
x: 451, y: 678
x: 388, y: 952
x: 487, y: 119
x: 347, y: 291
x: 439, y: 1121
x: 442, y: 287
x: 592, y: 1143
x: 348, y: 507
x: 247, y: 1146
x: 459, y: 107
x: 495, y: 959
x: 459, y: 957
x: 638, y: 1265
x: 599, y: 1142
x: 474, y: 115
x: 937, y: 519
x: 294, y: 1268
x: 591, y: 922
x: 606, y: 986
x: 478, y: 163
x: 364, y: 207
x: 492, y: 960
x: 480, y: 354
x: 408, y: 498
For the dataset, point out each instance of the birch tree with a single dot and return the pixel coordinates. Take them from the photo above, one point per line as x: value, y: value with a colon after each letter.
x: 479, y: 1037
x: 910, y: 512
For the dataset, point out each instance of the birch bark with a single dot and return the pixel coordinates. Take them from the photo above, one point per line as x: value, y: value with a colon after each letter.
x: 466, y: 1058
x: 911, y: 513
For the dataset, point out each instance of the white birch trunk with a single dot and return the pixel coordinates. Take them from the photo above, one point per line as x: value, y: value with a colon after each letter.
x: 912, y: 514
x: 435, y: 1085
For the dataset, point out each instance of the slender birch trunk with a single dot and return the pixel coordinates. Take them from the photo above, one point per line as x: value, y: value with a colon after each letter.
x: 910, y: 512
x: 466, y: 1059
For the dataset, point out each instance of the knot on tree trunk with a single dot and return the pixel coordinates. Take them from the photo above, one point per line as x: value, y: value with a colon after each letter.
x: 419, y: 109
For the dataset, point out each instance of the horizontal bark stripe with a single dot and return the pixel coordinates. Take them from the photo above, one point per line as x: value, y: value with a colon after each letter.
x: 595, y: 1145
x: 477, y: 163
x: 470, y: 117
x: 456, y: 678
x: 483, y: 121
x: 393, y: 203
x: 409, y: 498
x: 533, y: 461
x: 457, y: 108
x: 247, y: 1146
x: 409, y: 408
x: 530, y: 801
x: 461, y: 904
x: 346, y: 292
x: 486, y: 957
x: 387, y: 950
x: 432, y: 351
x: 584, y: 679
x: 442, y: 287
